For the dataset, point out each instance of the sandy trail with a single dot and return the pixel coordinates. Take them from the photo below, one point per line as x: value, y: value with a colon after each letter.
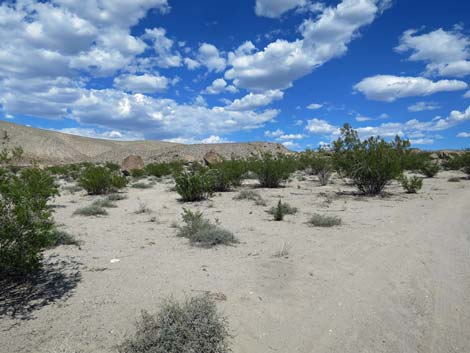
x: 394, y: 278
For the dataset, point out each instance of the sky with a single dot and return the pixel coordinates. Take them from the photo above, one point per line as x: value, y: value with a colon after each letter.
x: 210, y: 71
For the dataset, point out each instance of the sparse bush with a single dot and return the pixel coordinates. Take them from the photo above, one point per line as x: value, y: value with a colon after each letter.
x: 116, y: 197
x: 163, y: 169
x: 194, y: 186
x: 372, y: 163
x: 141, y: 185
x: 143, y: 208
x: 98, y: 180
x: 453, y: 180
x: 105, y: 203
x: 61, y: 237
x: 203, y: 233
x: 412, y: 185
x: 72, y: 188
x: 462, y: 162
x: 192, y: 327
x: 272, y: 171
x: 227, y: 174
x: 26, y: 224
x: 318, y: 220
x: 138, y: 173
x: 429, y: 169
x: 282, y: 209
x: 324, y: 176
x: 250, y: 195
x: 112, y: 166
x: 317, y: 163
x: 91, y: 210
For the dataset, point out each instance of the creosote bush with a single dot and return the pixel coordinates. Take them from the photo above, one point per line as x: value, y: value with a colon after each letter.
x: 372, y: 163
x: 91, y: 210
x: 194, y: 326
x: 26, y: 224
x: 202, y: 232
x: 429, y: 169
x: 412, y: 184
x: 271, y: 170
x: 97, y: 180
x: 194, y: 186
x: 282, y: 209
x: 318, y: 220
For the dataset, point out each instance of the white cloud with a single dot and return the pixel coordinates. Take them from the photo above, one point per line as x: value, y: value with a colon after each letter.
x: 209, y: 56
x: 273, y: 134
x: 291, y: 137
x: 291, y: 145
x: 389, y: 88
x: 145, y: 83
x: 466, y: 95
x: 275, y: 8
x: 362, y: 118
x: 166, y: 56
x: 447, y: 53
x: 423, y: 106
x: 318, y: 126
x: 323, y: 39
x: 192, y: 141
x: 314, y: 106
x: 219, y: 86
x: 463, y: 134
x: 106, y: 135
x: 422, y: 141
x: 191, y: 64
x: 255, y: 100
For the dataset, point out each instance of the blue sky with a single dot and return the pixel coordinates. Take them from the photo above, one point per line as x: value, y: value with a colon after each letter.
x: 288, y: 71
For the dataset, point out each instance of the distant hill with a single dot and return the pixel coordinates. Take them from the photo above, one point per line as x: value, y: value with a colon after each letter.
x: 50, y: 147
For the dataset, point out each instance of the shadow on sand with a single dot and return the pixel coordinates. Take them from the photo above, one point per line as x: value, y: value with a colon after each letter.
x: 20, y: 297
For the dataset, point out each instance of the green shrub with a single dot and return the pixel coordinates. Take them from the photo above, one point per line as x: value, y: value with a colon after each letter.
x: 412, y: 184
x: 138, y: 173
x: 26, y: 224
x: 98, y: 180
x: 91, y: 210
x: 281, y: 210
x: 163, y: 169
x: 227, y: 174
x: 114, y: 167
x: 272, y: 171
x: 194, y: 186
x: 462, y: 162
x: 61, y: 237
x: 192, y: 327
x: 318, y: 220
x: 203, y: 233
x: 429, y: 169
x: 372, y: 163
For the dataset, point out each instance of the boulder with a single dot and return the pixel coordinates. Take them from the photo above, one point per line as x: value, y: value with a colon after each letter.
x: 211, y: 158
x: 131, y: 163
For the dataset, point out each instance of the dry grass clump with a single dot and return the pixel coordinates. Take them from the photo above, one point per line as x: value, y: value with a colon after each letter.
x: 194, y: 326
x: 250, y: 195
x: 143, y: 209
x: 318, y: 220
x: 91, y: 210
x: 284, y: 208
x: 141, y: 185
x: 116, y: 197
x: 202, y: 232
x: 61, y: 237
x: 454, y: 180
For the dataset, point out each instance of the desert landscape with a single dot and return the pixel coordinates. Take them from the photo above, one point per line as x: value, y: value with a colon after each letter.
x: 392, y: 275
x: 245, y: 176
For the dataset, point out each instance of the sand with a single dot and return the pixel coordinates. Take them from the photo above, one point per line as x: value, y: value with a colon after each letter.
x: 394, y: 277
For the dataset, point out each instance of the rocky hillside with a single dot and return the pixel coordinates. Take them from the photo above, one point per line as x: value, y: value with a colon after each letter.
x: 49, y: 147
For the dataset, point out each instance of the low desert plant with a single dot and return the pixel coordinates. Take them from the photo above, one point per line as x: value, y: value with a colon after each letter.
x: 412, y: 184
x: 61, y: 237
x: 429, y: 169
x: 143, y: 208
x: 324, y: 176
x: 202, y: 232
x: 194, y: 186
x: 141, y: 185
x: 104, y: 203
x: 283, y: 251
x: 272, y: 170
x: 116, y: 197
x: 250, y: 195
x: 91, y: 210
x: 282, y: 209
x: 454, y: 179
x: 194, y: 326
x: 318, y: 220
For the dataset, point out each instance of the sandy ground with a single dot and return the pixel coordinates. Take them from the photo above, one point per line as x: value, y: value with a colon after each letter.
x: 395, y: 277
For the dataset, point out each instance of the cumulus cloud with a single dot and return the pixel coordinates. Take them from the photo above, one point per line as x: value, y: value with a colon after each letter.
x: 423, y: 106
x: 324, y: 38
x: 192, y: 141
x: 318, y: 126
x: 209, y: 56
x: 145, y: 83
x: 219, y: 86
x: 291, y: 145
x: 103, y: 134
x: 447, y: 53
x: 389, y: 88
x: 273, y: 134
x: 255, y: 100
x: 275, y: 8
x: 166, y: 56
x: 463, y: 134
x: 314, y: 106
x: 466, y: 95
